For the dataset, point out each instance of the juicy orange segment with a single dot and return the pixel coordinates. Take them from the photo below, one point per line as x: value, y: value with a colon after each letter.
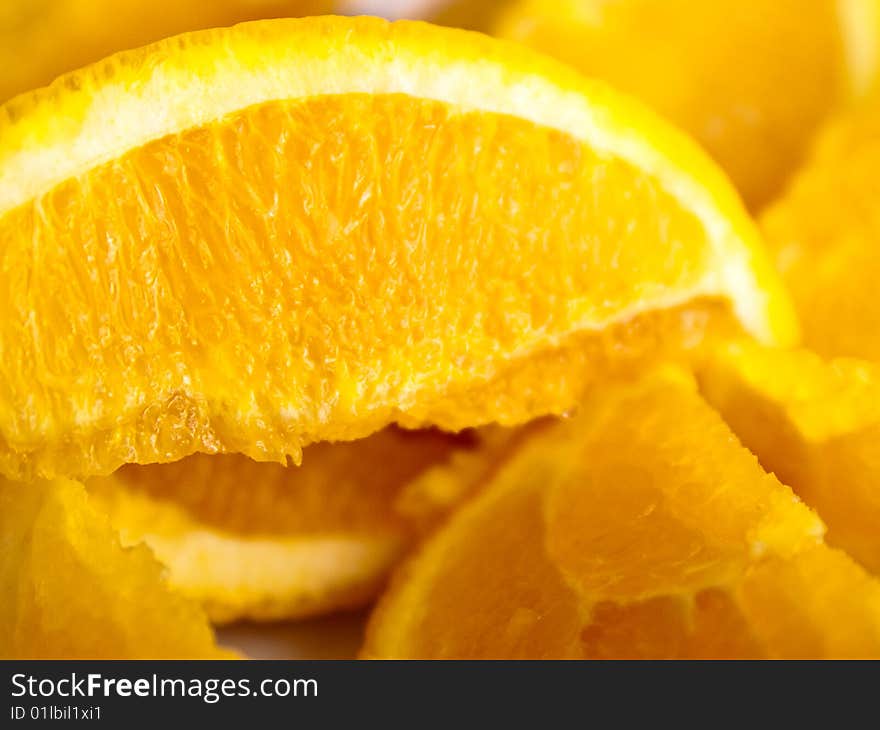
x: 638, y: 528
x: 823, y: 235
x: 71, y: 591
x: 750, y: 80
x: 263, y: 541
x: 483, y: 585
x: 816, y: 424
x: 40, y: 39
x: 303, y: 230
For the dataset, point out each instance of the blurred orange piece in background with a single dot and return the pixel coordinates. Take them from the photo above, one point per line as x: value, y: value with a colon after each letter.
x: 749, y: 79
x: 41, y: 39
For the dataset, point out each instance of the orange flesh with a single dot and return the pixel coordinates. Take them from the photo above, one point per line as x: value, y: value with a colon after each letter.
x: 263, y: 541
x: 638, y: 528
x: 502, y: 598
x: 340, y: 488
x: 816, y: 425
x: 71, y: 591
x: 176, y: 314
x: 823, y: 235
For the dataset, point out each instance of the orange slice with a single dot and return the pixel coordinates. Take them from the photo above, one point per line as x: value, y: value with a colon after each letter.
x: 823, y: 235
x: 70, y: 591
x: 40, y: 39
x: 638, y: 528
x: 816, y: 424
x: 293, y: 231
x: 750, y: 80
x: 261, y: 541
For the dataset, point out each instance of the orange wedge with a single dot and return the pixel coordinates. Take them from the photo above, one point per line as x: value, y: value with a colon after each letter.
x: 824, y: 237
x: 749, y: 79
x: 70, y: 591
x: 816, y: 425
x: 291, y: 231
x: 261, y: 541
x: 638, y: 528
x: 40, y: 40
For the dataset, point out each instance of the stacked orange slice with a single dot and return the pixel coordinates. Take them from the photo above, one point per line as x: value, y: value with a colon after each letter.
x: 638, y: 529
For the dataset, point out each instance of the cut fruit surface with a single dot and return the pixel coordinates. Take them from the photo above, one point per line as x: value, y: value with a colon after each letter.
x: 71, y: 591
x: 263, y: 541
x: 40, y: 39
x: 638, y: 528
x: 292, y: 231
x: 750, y: 80
x: 816, y: 425
x: 825, y: 237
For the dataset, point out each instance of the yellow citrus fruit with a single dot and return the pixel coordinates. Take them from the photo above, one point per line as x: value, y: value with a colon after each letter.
x: 40, y: 39
x: 824, y: 237
x: 816, y: 425
x: 70, y: 590
x: 291, y: 231
x: 638, y: 528
x: 263, y: 541
x: 749, y: 79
